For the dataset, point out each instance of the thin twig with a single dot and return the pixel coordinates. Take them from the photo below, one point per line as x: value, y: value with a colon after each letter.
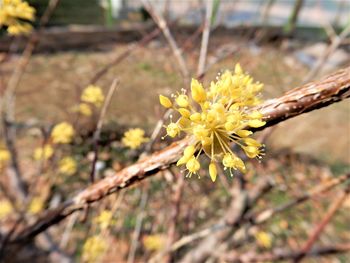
x: 167, y: 34
x: 138, y: 226
x: 261, y: 217
x: 97, y: 133
x: 8, y: 103
x: 205, y: 37
x: 336, y: 41
x: 321, y: 226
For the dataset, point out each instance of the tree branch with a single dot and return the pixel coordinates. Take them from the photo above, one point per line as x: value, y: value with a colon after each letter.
x: 314, y: 95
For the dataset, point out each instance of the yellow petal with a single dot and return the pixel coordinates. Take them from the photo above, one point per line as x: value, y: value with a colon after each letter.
x: 189, y: 151
x: 256, y: 123
x: 212, y: 171
x: 184, y: 112
x: 165, y: 101
x: 243, y: 133
x: 198, y: 93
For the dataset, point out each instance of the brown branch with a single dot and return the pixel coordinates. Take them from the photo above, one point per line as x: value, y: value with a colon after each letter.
x: 321, y: 226
x: 333, y: 88
x: 261, y: 217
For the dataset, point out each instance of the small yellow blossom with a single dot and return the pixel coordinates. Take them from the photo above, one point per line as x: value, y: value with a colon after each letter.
x: 153, y: 242
x: 94, y: 247
x: 105, y: 219
x: 263, y: 239
x: 43, y: 153
x: 215, y: 117
x: 5, y: 209
x: 94, y: 95
x: 36, y: 205
x: 62, y: 133
x: 133, y: 138
x: 67, y: 166
x: 4, y: 157
x: 84, y: 109
x: 14, y: 14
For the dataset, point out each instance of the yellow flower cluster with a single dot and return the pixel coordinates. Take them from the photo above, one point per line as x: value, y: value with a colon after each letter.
x: 154, y: 242
x: 215, y: 117
x: 5, y: 209
x: 62, y: 133
x: 133, y: 138
x: 94, y: 95
x: 84, y: 109
x: 43, y: 153
x: 263, y: 239
x: 105, y: 219
x: 12, y: 14
x: 93, y: 248
x: 67, y: 166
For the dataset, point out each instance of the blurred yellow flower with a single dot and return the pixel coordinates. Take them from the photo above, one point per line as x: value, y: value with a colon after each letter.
x: 133, y: 138
x: 5, y: 209
x: 43, y: 153
x: 4, y: 157
x: 94, y: 95
x: 263, y: 239
x: 62, y: 133
x: 12, y: 14
x: 67, y: 166
x: 105, y: 219
x: 36, y: 205
x: 94, y: 247
x: 84, y: 109
x: 215, y: 117
x: 153, y: 242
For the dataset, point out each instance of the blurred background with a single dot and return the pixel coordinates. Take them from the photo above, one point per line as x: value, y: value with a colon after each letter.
x: 281, y: 43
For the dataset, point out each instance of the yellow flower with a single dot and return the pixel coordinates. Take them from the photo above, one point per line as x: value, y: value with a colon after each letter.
x: 94, y: 247
x: 215, y: 117
x: 105, y: 219
x: 4, y: 157
x: 94, y: 95
x: 13, y: 14
x: 153, y: 242
x: 36, y: 205
x: 263, y: 239
x: 62, y: 133
x: 43, y: 153
x: 133, y: 138
x: 84, y: 109
x: 5, y: 209
x: 67, y: 166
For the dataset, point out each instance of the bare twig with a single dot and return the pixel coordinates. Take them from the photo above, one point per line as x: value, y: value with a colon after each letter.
x: 97, y: 133
x: 8, y: 103
x: 167, y: 34
x: 261, y: 217
x: 138, y: 226
x: 335, y: 42
x: 320, y: 227
x: 205, y: 37
x: 131, y: 48
x: 157, y: 130
x: 333, y: 88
